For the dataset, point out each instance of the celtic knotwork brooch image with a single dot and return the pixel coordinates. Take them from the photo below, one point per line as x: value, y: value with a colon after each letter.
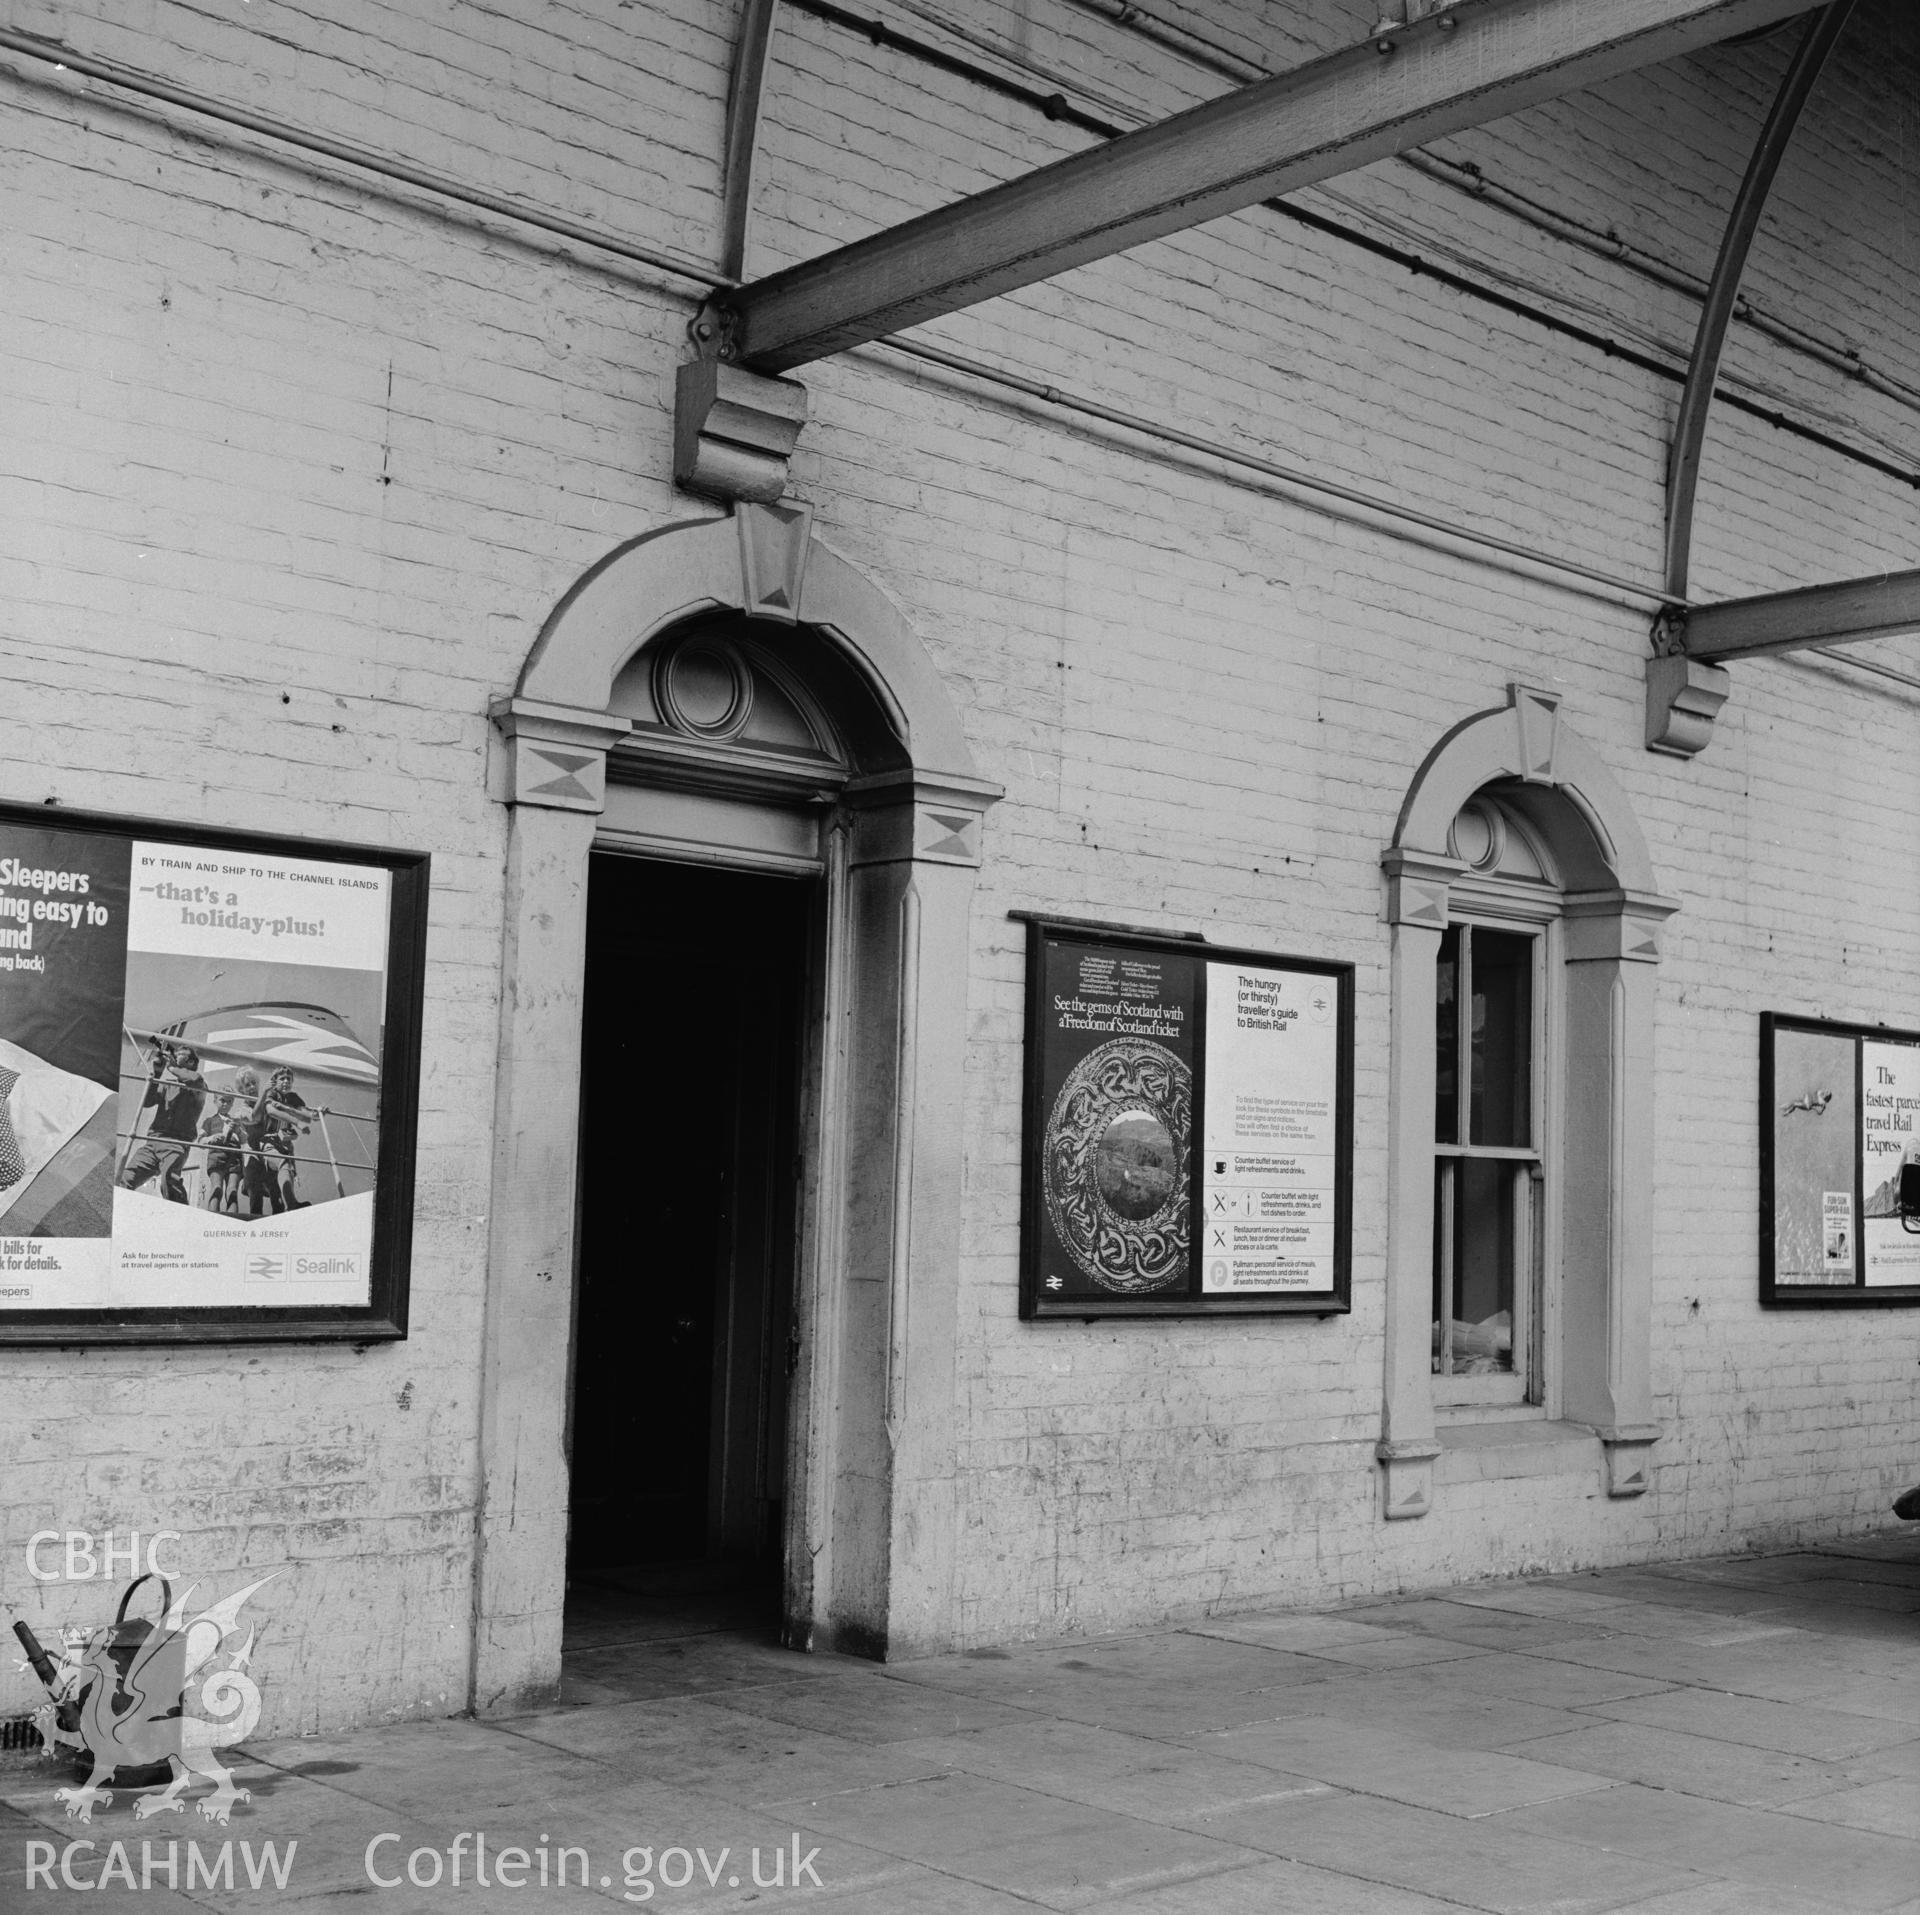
x: 1115, y: 1156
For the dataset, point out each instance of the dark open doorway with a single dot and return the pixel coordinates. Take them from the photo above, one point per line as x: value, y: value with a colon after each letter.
x: 688, y: 1146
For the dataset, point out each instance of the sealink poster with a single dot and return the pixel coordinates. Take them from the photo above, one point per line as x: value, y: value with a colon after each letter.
x: 190, y: 1063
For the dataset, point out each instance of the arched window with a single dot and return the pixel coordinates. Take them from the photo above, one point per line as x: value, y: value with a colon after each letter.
x: 1525, y: 933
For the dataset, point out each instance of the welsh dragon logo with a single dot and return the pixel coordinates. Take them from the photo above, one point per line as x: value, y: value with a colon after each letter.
x: 145, y: 1694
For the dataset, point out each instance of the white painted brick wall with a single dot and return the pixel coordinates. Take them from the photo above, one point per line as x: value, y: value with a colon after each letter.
x: 296, y: 470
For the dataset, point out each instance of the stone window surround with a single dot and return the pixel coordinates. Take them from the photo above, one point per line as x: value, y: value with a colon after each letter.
x: 1609, y: 953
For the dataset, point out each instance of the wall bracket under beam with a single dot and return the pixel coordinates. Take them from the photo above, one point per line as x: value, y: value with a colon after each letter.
x: 1684, y: 697
x: 734, y: 431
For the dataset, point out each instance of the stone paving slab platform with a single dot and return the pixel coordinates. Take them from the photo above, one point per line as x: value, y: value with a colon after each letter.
x: 1730, y: 1737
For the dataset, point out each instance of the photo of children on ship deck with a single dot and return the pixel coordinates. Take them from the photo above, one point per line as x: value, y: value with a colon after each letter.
x: 249, y: 1088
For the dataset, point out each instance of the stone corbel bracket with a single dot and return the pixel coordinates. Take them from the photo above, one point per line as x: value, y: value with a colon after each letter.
x: 734, y: 431
x: 556, y: 754
x: 1684, y: 696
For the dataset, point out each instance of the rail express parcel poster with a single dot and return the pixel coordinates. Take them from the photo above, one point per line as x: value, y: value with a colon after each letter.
x: 1189, y: 1126
x: 199, y: 1081
x: 1840, y: 1116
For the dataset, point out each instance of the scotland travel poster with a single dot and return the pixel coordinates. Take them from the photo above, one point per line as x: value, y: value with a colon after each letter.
x: 1116, y: 1087
x: 1188, y: 1128
x: 191, y: 1060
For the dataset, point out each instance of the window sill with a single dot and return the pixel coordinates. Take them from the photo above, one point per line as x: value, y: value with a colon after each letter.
x: 1470, y: 1398
x: 1515, y: 1447
x: 1453, y: 1412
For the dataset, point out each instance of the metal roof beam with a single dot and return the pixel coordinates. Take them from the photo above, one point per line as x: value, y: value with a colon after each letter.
x: 1474, y: 61
x: 752, y: 55
x: 1723, y: 290
x: 1884, y: 606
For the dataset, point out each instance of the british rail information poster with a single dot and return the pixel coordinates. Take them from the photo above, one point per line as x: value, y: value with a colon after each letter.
x: 1269, y: 1169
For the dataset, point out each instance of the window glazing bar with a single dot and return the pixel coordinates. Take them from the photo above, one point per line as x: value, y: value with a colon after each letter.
x: 1463, y: 1011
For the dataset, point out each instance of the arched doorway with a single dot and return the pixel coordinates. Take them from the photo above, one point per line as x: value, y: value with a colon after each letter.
x: 709, y: 893
x: 731, y: 695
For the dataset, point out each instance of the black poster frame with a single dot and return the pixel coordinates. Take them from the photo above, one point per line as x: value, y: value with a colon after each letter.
x: 383, y: 1318
x: 1859, y: 1294
x: 1046, y: 932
